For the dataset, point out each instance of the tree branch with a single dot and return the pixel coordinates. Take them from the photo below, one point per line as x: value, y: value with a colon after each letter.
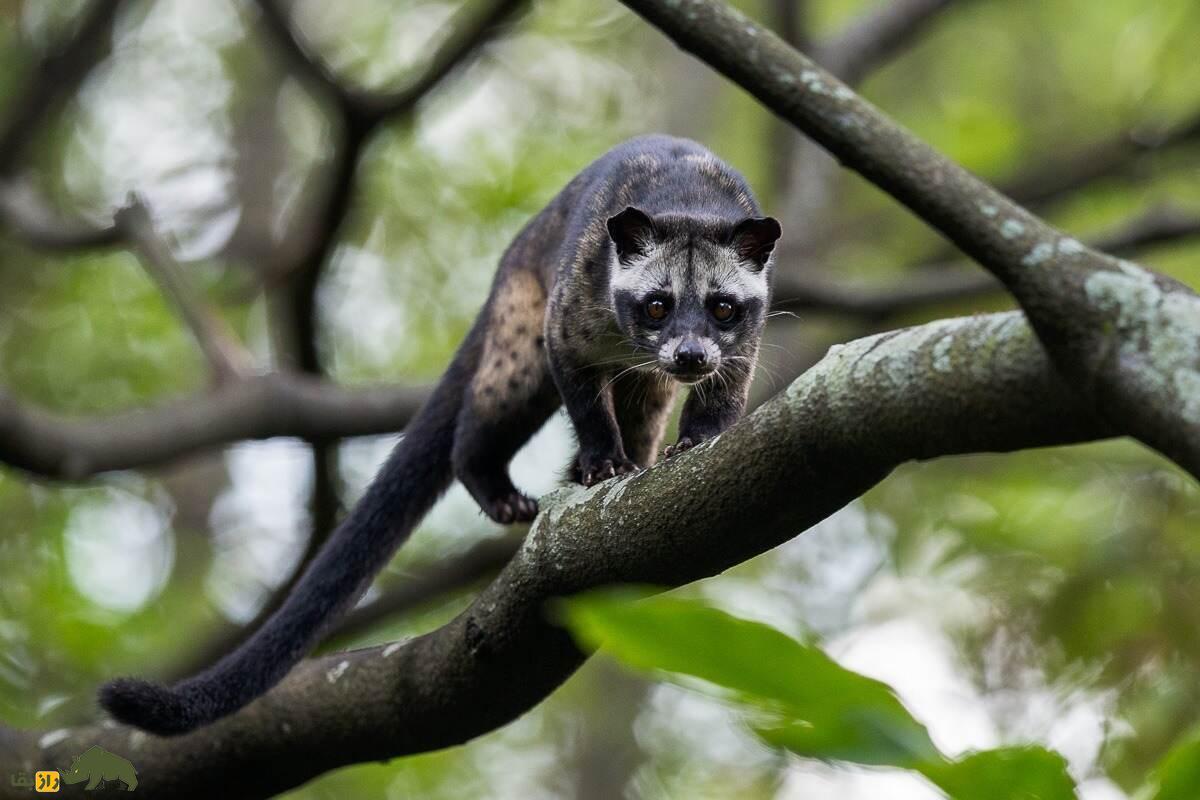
x: 482, y: 560
x: 469, y: 30
x: 936, y: 283
x: 260, y: 407
x: 1063, y: 173
x: 1100, y: 318
x: 226, y: 356
x: 308, y: 65
x: 57, y: 75
x: 29, y: 217
x: 876, y: 36
x: 790, y: 19
x: 834, y: 433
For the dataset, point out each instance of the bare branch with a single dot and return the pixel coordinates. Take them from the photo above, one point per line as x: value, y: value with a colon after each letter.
x: 300, y: 57
x: 872, y: 304
x: 947, y: 283
x: 1161, y: 225
x: 287, y: 405
x: 790, y: 18
x: 468, y: 34
x: 470, y: 30
x: 226, y: 356
x: 1064, y: 173
x: 483, y: 560
x: 260, y: 407
x: 833, y: 434
x: 29, y: 216
x: 365, y: 109
x: 57, y: 75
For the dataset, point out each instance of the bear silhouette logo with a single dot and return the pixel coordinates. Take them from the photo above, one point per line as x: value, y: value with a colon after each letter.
x: 100, y: 768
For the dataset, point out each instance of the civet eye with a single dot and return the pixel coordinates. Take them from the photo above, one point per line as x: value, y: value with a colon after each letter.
x: 722, y: 311
x: 656, y: 308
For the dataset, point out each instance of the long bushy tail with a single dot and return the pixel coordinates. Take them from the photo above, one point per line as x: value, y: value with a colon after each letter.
x: 415, y: 475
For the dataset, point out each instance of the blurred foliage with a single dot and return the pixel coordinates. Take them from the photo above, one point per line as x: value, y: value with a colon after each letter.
x: 798, y: 698
x: 1044, y: 598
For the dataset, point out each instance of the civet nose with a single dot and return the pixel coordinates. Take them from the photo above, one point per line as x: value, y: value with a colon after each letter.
x: 690, y: 355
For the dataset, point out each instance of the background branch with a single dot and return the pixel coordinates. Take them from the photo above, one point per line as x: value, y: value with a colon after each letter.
x: 260, y: 407
x: 1061, y: 174
x: 57, y: 75
x: 874, y: 38
x: 936, y: 283
x: 226, y: 356
x: 483, y: 560
x: 35, y: 223
x: 360, y: 115
x: 427, y: 585
x: 866, y: 43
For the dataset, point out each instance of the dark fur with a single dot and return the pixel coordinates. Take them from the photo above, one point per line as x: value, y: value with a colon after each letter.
x: 544, y: 337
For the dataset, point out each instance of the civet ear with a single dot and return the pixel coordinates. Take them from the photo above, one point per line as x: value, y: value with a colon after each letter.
x: 632, y: 233
x: 754, y: 238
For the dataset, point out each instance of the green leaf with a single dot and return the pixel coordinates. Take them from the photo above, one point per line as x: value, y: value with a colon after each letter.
x: 1177, y: 776
x: 1011, y: 773
x: 798, y: 697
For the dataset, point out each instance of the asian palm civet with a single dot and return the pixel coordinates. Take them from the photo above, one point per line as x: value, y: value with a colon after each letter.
x: 650, y: 269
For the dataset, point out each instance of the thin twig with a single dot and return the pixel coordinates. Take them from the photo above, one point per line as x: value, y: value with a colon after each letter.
x: 227, y: 358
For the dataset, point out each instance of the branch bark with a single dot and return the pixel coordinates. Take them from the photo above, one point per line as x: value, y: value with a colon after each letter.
x: 1101, y: 319
x: 834, y: 433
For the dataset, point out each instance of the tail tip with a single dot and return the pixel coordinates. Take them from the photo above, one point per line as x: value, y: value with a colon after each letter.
x: 148, y: 706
